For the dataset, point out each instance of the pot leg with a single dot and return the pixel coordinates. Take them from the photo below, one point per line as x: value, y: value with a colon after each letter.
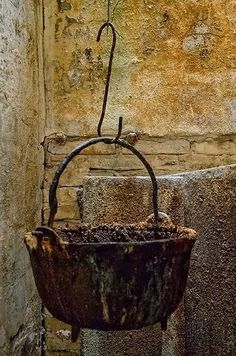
x: 164, y: 324
x: 75, y: 330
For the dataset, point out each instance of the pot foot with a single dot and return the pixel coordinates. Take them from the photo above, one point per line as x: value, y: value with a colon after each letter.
x: 75, y: 330
x: 164, y: 324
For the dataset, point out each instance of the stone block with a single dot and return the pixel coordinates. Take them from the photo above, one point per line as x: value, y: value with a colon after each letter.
x: 210, y: 308
x: 215, y: 147
x: 117, y: 162
x: 68, y: 208
x: 169, y: 164
x: 115, y: 199
x: 67, y: 146
x: 171, y: 146
x: 201, y: 161
x: 73, y: 174
x: 65, y: 195
x: 228, y: 159
x: 127, y: 200
x: 64, y: 212
x: 144, y: 342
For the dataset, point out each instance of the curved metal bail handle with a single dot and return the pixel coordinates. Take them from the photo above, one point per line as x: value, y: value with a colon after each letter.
x: 108, y: 140
x: 104, y: 104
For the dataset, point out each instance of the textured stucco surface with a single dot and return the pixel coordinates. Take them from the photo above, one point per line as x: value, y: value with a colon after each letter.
x: 21, y: 174
x: 174, y: 67
x: 210, y: 298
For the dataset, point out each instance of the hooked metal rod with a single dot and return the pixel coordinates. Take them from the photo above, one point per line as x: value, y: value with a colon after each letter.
x: 108, y: 77
x: 108, y: 140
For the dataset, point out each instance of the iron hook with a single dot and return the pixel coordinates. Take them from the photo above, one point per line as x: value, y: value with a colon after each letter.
x: 108, y: 24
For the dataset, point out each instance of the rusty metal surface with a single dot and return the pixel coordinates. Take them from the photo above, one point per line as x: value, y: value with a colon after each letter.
x: 110, y: 286
x: 107, y: 84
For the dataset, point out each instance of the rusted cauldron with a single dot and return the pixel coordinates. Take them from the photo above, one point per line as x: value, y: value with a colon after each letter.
x: 110, y: 277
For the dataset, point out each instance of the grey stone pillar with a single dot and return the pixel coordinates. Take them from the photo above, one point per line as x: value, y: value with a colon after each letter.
x: 127, y: 200
x: 210, y: 307
x: 122, y: 200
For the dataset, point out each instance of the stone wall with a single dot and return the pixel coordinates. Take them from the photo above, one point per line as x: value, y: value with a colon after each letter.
x: 21, y: 130
x: 173, y: 81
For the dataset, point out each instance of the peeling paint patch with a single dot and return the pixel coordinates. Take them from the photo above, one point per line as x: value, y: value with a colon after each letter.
x: 70, y: 21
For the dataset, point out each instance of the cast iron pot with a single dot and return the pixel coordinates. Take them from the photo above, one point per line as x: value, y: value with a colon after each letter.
x: 117, y: 284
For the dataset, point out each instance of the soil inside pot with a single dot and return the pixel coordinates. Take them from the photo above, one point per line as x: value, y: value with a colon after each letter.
x: 119, y: 233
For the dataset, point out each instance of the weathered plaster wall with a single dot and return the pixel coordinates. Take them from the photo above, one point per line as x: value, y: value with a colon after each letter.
x: 21, y: 126
x: 174, y: 67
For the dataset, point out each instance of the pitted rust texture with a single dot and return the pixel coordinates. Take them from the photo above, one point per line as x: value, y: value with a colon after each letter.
x: 120, y: 233
x: 112, y: 285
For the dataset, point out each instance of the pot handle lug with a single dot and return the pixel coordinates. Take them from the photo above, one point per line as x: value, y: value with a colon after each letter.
x: 42, y: 231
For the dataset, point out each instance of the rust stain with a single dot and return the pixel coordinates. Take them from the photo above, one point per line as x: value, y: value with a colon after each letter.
x: 47, y: 247
x: 105, y: 308
x: 130, y: 249
x: 124, y: 311
x: 31, y: 241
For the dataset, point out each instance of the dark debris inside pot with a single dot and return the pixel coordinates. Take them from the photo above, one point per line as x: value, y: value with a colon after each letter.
x: 117, y: 233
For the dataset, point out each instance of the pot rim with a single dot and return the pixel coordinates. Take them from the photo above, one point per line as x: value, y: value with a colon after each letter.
x: 127, y: 243
x: 188, y: 234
